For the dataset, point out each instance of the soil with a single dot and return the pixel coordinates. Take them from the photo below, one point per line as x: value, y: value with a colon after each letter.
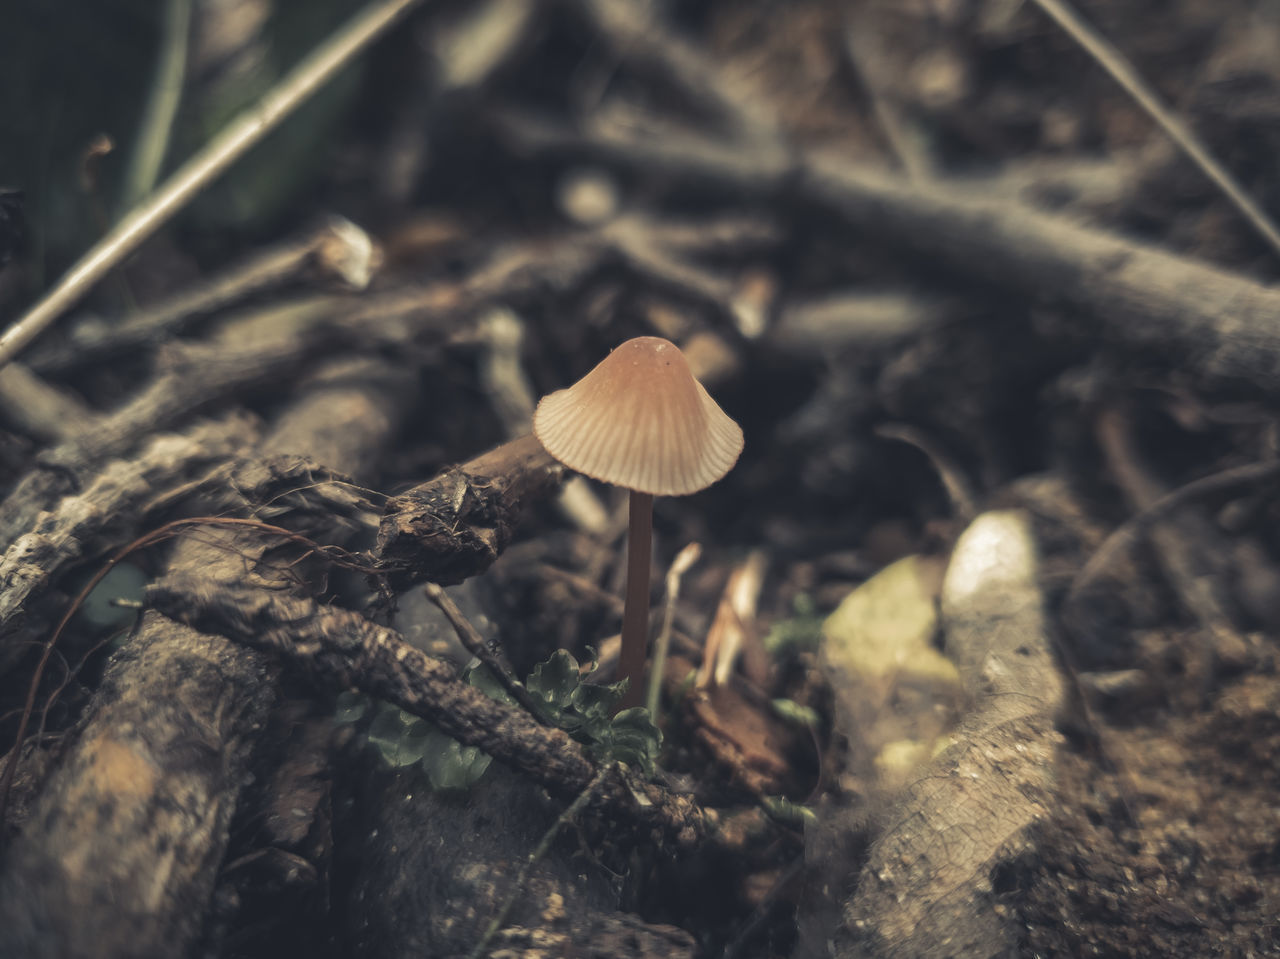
x: 1170, y: 847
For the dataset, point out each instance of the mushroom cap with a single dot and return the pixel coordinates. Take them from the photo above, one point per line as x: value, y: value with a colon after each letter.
x: 641, y: 421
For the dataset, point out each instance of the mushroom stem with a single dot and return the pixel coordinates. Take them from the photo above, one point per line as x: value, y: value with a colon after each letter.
x: 635, y: 614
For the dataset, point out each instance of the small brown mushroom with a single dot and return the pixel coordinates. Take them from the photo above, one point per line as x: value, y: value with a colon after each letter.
x: 641, y: 421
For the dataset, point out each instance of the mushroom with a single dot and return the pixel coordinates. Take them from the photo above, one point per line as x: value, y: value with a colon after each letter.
x: 640, y: 420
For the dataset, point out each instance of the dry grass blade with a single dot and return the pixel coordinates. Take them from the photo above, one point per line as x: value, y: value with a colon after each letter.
x: 162, y: 104
x: 1124, y: 535
x: 1123, y: 72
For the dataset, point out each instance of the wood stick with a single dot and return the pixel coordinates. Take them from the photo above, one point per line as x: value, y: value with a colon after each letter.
x: 121, y: 851
x: 343, y: 650
x: 1203, y: 319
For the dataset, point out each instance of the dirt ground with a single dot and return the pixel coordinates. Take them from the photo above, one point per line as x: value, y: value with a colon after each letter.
x: 991, y: 589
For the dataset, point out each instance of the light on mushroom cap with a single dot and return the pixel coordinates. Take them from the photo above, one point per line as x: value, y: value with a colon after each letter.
x: 641, y: 421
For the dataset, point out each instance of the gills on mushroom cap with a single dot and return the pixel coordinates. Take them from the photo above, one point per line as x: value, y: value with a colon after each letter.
x: 640, y: 420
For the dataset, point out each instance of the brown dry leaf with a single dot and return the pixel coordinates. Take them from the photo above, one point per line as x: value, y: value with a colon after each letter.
x: 745, y: 738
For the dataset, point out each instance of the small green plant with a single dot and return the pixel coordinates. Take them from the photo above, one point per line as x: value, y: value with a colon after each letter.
x: 403, y: 739
x: 793, y: 712
x: 583, y: 710
x: 783, y: 810
x: 580, y: 708
x: 801, y: 631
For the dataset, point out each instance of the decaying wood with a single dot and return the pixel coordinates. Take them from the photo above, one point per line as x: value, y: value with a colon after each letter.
x: 62, y: 879
x: 285, y: 485
x: 343, y: 650
x: 457, y: 524
x: 344, y: 420
x: 929, y: 887
x: 121, y: 851
x: 110, y: 510
x: 193, y: 377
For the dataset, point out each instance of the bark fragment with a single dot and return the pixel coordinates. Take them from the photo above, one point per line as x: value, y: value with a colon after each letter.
x: 121, y: 853
x: 110, y: 510
x: 457, y: 524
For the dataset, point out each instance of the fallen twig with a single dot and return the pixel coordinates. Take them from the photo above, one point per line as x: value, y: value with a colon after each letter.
x: 92, y: 340
x: 1211, y: 322
x: 862, y: 48
x: 1124, y: 535
x: 566, y: 818
x: 927, y: 878
x: 455, y: 525
x: 843, y: 322
x: 504, y: 379
x: 343, y: 650
x: 953, y: 480
x: 43, y: 410
x: 194, y: 376
x: 1190, y: 552
x: 475, y: 645
x: 638, y: 34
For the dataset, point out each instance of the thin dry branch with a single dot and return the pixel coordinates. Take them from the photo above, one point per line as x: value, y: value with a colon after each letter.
x: 1126, y: 534
x: 843, y: 322
x: 638, y: 34
x: 474, y: 643
x: 1208, y: 321
x: 1190, y: 551
x: 91, y: 340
